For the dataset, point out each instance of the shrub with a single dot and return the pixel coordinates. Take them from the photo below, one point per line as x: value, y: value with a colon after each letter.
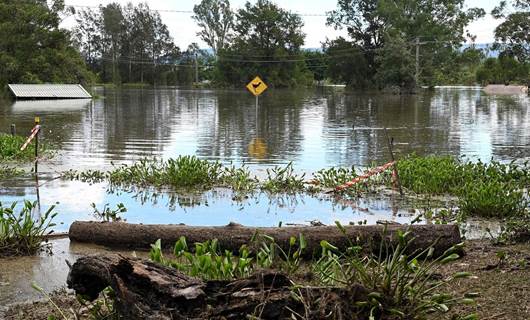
x: 21, y: 234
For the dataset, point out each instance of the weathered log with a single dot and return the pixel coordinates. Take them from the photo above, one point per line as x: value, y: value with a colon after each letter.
x: 232, y: 237
x: 145, y: 290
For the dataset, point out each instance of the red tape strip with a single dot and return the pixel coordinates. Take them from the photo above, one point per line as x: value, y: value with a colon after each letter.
x: 374, y: 171
x: 34, y: 132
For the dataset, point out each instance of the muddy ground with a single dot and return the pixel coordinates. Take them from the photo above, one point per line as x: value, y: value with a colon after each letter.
x: 501, y: 274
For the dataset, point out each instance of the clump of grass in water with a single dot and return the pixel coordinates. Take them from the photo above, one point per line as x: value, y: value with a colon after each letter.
x: 10, y: 149
x: 239, y: 179
x: 7, y: 172
x: 183, y: 172
x: 21, y: 234
x: 189, y: 171
x: 89, y: 176
x: 107, y: 214
x: 486, y: 190
x: 283, y: 180
x: 333, y: 177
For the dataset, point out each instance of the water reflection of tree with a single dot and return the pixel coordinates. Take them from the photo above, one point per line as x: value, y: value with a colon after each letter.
x: 353, y: 127
x: 278, y: 124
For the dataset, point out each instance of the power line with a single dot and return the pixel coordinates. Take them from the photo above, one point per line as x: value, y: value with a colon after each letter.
x: 190, y: 11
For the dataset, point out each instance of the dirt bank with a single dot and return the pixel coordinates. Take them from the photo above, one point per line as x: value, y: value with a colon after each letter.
x: 503, y: 89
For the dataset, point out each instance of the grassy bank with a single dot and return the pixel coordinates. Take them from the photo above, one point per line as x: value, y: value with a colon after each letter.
x: 499, y: 277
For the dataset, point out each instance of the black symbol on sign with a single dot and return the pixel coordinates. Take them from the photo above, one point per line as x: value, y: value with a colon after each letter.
x: 256, y: 86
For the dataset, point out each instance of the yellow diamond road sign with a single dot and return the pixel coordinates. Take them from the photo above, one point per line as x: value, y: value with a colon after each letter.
x: 256, y: 86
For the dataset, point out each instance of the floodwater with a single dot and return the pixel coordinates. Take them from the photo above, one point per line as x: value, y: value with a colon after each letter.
x: 314, y: 129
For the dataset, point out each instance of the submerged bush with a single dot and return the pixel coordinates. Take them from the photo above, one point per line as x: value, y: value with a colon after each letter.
x: 10, y: 149
x: 21, y: 234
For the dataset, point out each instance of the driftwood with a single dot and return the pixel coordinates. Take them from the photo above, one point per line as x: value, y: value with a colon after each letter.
x: 145, y: 290
x: 233, y: 236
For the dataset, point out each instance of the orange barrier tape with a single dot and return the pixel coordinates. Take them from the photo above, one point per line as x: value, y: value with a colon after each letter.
x: 365, y: 176
x: 34, y: 132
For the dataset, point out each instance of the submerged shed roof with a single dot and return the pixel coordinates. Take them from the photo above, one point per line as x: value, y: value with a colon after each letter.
x: 49, y: 91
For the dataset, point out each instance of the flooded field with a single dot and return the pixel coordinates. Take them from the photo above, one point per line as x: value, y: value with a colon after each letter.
x: 313, y: 129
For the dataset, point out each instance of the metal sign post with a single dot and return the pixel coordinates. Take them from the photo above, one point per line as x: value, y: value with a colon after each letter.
x: 257, y: 87
x: 37, y: 123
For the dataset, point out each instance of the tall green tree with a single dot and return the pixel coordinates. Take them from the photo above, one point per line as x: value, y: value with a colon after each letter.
x: 267, y: 42
x: 127, y: 44
x: 512, y: 36
x: 215, y: 19
x: 33, y: 48
x: 384, y: 27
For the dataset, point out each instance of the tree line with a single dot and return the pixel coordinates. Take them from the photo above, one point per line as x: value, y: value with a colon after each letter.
x: 388, y: 44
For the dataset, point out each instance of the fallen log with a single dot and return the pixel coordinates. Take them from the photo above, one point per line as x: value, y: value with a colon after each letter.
x: 233, y: 236
x: 146, y: 290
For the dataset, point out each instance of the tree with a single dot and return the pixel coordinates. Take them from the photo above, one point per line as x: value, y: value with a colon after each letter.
x: 267, y: 42
x: 347, y: 63
x: 216, y: 19
x: 33, y: 49
x: 513, y: 35
x: 438, y: 26
x: 132, y: 40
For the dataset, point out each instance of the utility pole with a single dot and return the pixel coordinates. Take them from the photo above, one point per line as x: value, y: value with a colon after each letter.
x: 196, y: 69
x: 417, y: 75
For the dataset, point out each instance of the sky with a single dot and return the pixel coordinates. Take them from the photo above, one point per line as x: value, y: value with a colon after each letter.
x: 183, y: 28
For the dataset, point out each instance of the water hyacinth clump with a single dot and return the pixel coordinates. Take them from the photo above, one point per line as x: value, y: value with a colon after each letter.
x: 486, y: 190
x: 8, y: 172
x: 283, y: 180
x: 332, y: 177
x: 21, y: 233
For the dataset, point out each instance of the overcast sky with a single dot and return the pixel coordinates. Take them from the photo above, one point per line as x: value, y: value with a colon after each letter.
x: 183, y: 28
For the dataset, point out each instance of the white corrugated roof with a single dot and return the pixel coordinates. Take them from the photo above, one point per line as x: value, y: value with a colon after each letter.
x: 49, y: 91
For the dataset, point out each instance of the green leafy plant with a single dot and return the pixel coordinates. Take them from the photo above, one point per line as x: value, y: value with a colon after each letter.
x: 283, y: 180
x: 271, y: 255
x: 8, y: 172
x: 206, y: 261
x: 332, y: 177
x: 107, y: 214
x: 10, y: 149
x: 492, y: 199
x: 400, y: 285
x: 21, y: 233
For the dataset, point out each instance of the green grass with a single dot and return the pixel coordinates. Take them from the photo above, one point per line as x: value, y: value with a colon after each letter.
x: 486, y: 190
x: 21, y: 233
